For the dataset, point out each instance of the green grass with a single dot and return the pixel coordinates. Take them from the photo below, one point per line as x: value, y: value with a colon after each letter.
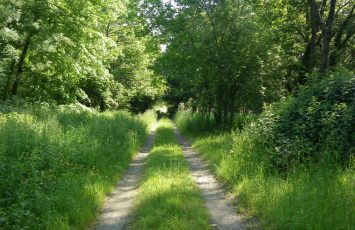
x: 307, y: 197
x: 195, y: 125
x: 168, y: 197
x: 57, y: 164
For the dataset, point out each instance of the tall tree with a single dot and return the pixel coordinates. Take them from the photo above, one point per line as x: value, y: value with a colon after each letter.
x: 66, y: 51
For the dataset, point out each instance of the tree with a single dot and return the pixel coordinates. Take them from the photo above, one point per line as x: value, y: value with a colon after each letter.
x: 321, y: 32
x: 63, y: 52
x: 214, y: 56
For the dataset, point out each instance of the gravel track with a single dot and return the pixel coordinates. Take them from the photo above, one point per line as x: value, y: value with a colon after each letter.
x: 220, y: 207
x: 117, y: 210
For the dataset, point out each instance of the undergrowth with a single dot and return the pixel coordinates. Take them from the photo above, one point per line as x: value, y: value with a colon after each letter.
x: 315, y: 196
x: 293, y: 167
x: 57, y: 163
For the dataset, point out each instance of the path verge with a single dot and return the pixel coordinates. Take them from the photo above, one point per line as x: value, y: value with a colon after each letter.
x: 222, y: 212
x: 117, y: 210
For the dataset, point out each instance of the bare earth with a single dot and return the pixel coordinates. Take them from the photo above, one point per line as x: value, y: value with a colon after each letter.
x: 222, y: 212
x: 117, y: 210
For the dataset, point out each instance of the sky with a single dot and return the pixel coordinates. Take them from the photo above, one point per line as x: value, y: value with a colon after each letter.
x: 163, y: 48
x: 172, y: 2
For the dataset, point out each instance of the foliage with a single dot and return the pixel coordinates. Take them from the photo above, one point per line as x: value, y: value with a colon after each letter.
x: 321, y: 118
x: 317, y: 125
x: 307, y: 33
x: 314, y: 195
x: 195, y: 124
x: 63, y: 52
x: 218, y: 65
x: 231, y: 56
x: 133, y: 66
x: 58, y: 163
x: 168, y: 197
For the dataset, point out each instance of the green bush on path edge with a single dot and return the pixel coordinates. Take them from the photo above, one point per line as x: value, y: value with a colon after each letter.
x: 312, y: 195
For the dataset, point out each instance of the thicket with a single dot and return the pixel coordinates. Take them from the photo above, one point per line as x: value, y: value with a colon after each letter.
x: 293, y: 165
x: 57, y: 163
x: 321, y: 119
x: 98, y: 53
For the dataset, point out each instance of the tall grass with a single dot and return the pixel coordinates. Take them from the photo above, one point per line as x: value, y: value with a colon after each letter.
x: 168, y: 197
x: 57, y: 164
x: 308, y: 196
x: 195, y: 124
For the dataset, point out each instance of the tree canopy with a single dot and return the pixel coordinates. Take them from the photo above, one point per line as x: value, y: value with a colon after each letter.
x: 230, y: 56
x: 221, y: 57
x: 98, y: 53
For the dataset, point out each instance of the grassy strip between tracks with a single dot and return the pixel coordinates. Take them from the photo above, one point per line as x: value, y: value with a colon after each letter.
x: 168, y: 197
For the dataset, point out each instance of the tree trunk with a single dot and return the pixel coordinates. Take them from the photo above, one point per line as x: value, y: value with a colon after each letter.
x: 217, y: 116
x: 309, y: 56
x: 8, y: 81
x: 326, y: 32
x: 20, y: 65
x: 341, y: 38
x: 310, y: 53
x: 102, y: 104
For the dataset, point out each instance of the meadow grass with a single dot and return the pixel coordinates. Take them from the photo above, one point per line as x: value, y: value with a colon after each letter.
x: 307, y: 197
x: 57, y: 164
x: 168, y: 198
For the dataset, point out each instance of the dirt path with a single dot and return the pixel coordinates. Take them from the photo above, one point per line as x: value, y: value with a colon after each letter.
x: 116, y: 213
x: 220, y: 208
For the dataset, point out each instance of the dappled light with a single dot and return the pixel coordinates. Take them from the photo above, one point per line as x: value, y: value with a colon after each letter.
x: 168, y: 198
x: 177, y: 114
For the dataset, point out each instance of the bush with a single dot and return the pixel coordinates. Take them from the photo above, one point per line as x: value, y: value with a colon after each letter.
x: 141, y: 103
x: 319, y: 123
x: 285, y: 167
x: 57, y: 164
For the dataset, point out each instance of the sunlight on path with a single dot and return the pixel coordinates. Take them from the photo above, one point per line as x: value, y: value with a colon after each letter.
x: 118, y: 208
x: 168, y: 198
x: 116, y: 213
x: 222, y: 212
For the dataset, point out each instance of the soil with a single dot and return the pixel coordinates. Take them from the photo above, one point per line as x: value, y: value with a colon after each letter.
x: 221, y: 208
x: 118, y: 207
x: 117, y: 210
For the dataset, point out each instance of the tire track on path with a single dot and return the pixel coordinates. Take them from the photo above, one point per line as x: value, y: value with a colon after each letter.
x: 117, y: 210
x: 221, y: 210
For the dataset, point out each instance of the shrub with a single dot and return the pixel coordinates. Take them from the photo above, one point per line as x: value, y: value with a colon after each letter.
x: 319, y: 123
x: 287, y: 166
